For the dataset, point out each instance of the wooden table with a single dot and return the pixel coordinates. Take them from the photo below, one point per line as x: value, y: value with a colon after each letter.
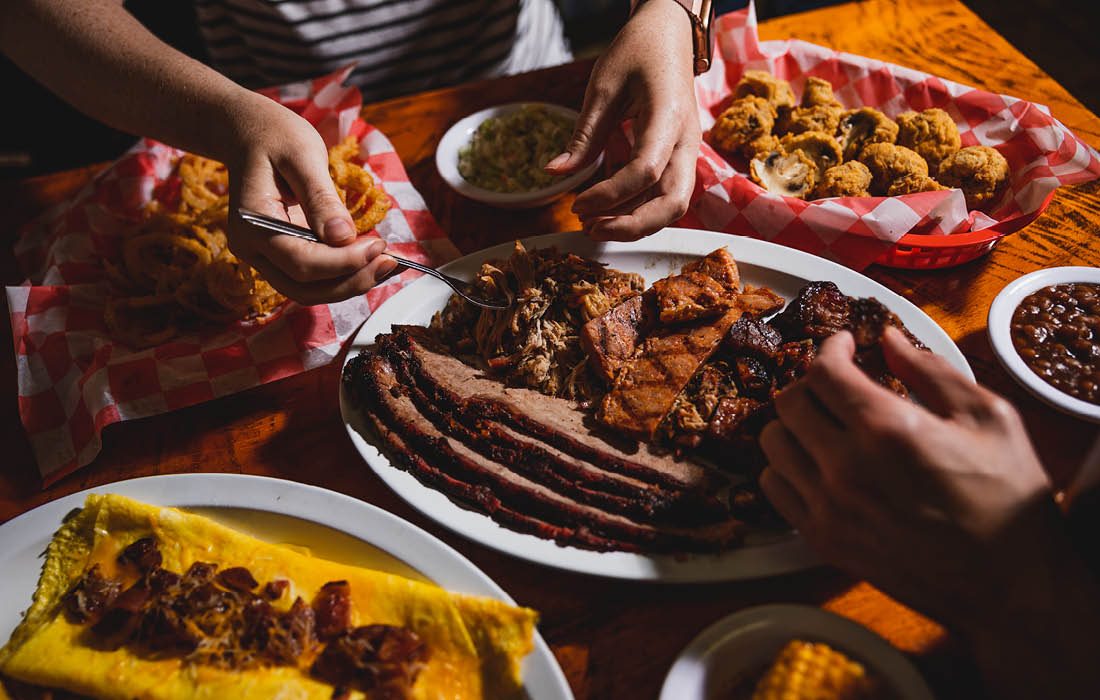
x: 614, y: 640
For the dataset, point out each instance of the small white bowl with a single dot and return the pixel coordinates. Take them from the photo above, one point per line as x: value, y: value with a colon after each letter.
x: 459, y: 135
x: 1000, y: 336
x: 735, y: 649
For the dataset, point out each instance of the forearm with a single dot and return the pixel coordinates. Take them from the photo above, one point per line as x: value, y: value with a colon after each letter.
x: 1037, y: 638
x: 98, y: 57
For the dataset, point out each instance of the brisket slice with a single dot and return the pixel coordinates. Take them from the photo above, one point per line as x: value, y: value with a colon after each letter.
x: 544, y: 464
x: 475, y: 496
x: 557, y: 422
x: 514, y: 491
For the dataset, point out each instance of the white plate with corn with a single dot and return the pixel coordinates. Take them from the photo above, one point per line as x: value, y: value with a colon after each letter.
x: 775, y: 652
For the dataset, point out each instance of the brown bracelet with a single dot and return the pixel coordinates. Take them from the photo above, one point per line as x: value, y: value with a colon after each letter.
x: 701, y: 13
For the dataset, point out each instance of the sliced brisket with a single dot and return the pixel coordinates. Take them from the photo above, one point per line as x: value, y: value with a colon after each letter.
x: 516, y: 492
x: 475, y: 496
x: 557, y: 422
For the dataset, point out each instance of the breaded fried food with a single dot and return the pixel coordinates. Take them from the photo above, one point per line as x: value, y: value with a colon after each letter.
x: 818, y: 145
x: 894, y: 169
x: 980, y: 172
x: 863, y: 126
x: 851, y: 179
x: 818, y: 111
x: 818, y: 91
x: 931, y: 133
x: 815, y: 118
x: 763, y: 84
x: 758, y: 148
x: 792, y: 174
x: 745, y: 127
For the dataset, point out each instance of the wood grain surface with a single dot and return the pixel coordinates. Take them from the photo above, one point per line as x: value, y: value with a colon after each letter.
x: 614, y: 640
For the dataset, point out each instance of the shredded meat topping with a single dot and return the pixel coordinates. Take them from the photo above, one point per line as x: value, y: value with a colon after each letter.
x: 380, y: 658
x: 536, y: 342
x: 332, y: 608
x: 226, y: 619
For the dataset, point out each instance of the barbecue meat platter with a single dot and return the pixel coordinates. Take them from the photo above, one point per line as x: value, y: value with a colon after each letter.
x: 610, y: 412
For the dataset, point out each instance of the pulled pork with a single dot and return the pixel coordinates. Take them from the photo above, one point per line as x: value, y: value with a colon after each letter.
x: 227, y: 620
x: 535, y: 343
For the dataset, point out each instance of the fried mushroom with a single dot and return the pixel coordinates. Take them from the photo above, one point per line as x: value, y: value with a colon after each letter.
x: 818, y: 111
x: 863, y: 126
x: 744, y: 123
x: 818, y: 91
x: 763, y: 84
x: 980, y: 172
x: 851, y: 179
x: 894, y: 169
x: 931, y: 133
x: 815, y: 118
x: 761, y: 147
x: 913, y: 185
x: 818, y: 145
x: 790, y: 174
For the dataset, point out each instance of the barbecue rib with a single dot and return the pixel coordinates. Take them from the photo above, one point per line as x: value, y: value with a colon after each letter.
x: 612, y: 338
x: 646, y: 387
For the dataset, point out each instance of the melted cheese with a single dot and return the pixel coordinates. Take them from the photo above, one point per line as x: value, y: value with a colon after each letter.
x: 475, y: 644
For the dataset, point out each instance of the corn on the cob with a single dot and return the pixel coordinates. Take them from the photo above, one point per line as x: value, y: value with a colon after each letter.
x: 813, y: 671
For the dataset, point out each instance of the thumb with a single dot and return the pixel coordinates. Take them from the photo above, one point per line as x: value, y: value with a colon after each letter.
x: 589, y: 135
x: 307, y: 174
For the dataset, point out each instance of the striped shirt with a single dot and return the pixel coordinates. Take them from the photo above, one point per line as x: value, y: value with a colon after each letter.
x: 398, y: 46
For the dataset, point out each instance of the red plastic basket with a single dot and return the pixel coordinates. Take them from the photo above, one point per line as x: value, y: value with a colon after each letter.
x: 923, y: 252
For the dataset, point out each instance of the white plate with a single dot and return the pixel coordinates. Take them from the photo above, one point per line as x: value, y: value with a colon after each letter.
x: 459, y: 135
x: 782, y: 269
x: 332, y: 525
x: 744, y: 644
x: 1000, y: 336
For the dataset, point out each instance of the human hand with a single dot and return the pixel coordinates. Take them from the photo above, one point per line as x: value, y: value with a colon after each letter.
x: 278, y: 166
x: 647, y: 74
x: 933, y: 503
x: 945, y: 506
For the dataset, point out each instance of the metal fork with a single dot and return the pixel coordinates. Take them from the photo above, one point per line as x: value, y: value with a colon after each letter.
x: 461, y: 288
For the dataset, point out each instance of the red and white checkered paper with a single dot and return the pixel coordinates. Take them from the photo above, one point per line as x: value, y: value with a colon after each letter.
x: 1042, y: 153
x: 73, y: 379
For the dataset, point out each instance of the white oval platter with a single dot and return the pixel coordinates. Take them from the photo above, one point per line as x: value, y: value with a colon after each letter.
x: 782, y: 269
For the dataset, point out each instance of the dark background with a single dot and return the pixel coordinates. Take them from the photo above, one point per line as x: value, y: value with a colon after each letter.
x: 43, y: 134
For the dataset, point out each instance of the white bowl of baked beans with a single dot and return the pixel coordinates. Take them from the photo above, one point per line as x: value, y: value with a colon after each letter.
x: 1045, y: 330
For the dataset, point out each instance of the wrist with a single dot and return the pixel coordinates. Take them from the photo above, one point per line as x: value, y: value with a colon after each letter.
x: 242, y: 118
x: 1037, y: 623
x: 668, y: 17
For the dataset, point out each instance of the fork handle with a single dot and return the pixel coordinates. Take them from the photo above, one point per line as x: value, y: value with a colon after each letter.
x: 285, y: 227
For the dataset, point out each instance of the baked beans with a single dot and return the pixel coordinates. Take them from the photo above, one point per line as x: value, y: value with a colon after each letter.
x: 1056, y: 330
